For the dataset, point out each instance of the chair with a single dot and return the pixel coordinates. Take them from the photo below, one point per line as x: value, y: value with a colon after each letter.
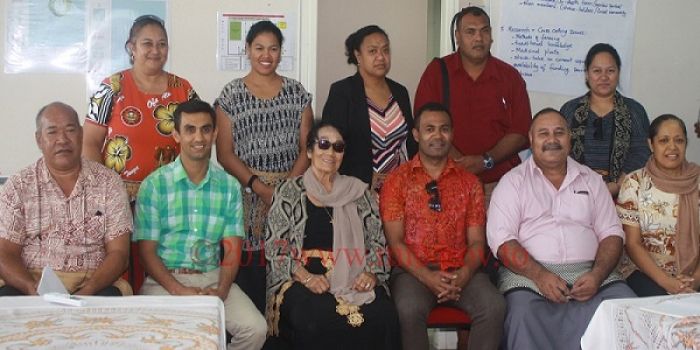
x: 451, y: 318
x: 135, y: 273
x: 455, y: 319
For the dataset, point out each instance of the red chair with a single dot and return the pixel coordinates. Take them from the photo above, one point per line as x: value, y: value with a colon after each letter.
x: 138, y: 273
x: 451, y: 318
x: 455, y: 319
x: 135, y: 274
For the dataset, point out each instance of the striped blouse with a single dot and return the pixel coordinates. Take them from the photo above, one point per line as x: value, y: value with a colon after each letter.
x: 389, y: 132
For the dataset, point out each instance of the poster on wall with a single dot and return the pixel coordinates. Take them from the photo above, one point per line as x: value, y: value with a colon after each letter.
x: 232, y: 31
x: 72, y: 36
x: 45, y: 36
x: 547, y: 40
x: 108, y: 24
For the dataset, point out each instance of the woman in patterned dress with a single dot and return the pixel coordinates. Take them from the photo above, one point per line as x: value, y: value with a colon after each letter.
x: 658, y: 206
x: 130, y: 118
x: 263, y: 120
x: 372, y: 110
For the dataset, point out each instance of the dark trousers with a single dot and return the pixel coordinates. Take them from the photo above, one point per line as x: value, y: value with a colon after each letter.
x: 111, y: 291
x: 643, y: 285
x: 480, y: 299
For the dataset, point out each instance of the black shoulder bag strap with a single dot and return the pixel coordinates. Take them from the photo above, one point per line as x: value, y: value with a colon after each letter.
x: 445, y: 82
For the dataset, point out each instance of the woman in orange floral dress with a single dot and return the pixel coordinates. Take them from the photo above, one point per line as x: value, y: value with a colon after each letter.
x: 130, y: 118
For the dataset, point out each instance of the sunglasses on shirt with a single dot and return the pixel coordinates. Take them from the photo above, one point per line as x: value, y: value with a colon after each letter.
x: 324, y: 144
x: 434, y: 201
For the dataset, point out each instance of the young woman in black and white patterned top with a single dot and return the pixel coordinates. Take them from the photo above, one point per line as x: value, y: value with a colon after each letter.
x: 263, y: 119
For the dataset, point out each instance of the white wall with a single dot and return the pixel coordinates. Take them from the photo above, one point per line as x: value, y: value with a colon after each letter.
x: 21, y: 96
x: 665, y: 66
x: 405, y: 21
x: 192, y: 56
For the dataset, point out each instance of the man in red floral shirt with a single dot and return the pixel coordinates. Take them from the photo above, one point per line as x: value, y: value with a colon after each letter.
x: 433, y: 213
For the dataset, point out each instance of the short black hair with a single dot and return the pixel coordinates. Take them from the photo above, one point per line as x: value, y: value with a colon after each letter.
x: 430, y: 107
x: 457, y: 20
x: 312, y: 136
x: 193, y: 106
x: 600, y: 48
x: 546, y: 110
x: 354, y: 40
x: 57, y: 104
x: 136, y: 27
x: 656, y: 125
x: 475, y: 11
x: 264, y: 27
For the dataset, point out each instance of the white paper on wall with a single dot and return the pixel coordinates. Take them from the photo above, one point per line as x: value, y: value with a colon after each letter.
x: 547, y: 40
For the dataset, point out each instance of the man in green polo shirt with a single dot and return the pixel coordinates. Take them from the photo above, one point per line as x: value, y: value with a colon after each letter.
x: 185, y: 212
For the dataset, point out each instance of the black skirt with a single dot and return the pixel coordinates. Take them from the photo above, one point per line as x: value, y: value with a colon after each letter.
x: 309, y: 321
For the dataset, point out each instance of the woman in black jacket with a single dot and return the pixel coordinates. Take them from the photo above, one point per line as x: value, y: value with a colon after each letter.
x: 373, y: 111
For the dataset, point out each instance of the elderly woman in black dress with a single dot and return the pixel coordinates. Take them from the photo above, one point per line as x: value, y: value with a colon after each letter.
x: 327, y: 262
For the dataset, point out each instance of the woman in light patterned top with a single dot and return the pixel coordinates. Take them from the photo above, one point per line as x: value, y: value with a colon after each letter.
x: 263, y: 120
x: 658, y: 206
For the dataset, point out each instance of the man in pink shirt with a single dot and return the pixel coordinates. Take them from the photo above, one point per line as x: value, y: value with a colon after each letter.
x: 66, y: 213
x: 553, y: 225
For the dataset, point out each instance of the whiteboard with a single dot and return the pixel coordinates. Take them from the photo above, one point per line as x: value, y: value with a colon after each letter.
x: 665, y: 74
x: 547, y: 40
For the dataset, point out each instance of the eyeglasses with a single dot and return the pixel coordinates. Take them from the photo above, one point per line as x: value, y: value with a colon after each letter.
x: 149, y: 18
x: 324, y: 144
x: 598, y: 126
x: 434, y: 201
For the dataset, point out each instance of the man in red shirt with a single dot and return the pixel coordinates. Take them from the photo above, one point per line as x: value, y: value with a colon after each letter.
x: 488, y: 101
x: 433, y: 214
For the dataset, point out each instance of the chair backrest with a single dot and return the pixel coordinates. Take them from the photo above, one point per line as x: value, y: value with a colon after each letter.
x: 135, y: 274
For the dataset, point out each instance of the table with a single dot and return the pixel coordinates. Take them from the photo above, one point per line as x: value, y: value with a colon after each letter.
x: 664, y: 322
x: 134, y: 323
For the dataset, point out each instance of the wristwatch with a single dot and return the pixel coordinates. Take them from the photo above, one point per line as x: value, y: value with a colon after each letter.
x: 249, y: 186
x: 488, y: 161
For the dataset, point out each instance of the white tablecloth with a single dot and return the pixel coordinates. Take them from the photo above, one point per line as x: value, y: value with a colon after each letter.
x: 666, y: 322
x: 133, y: 323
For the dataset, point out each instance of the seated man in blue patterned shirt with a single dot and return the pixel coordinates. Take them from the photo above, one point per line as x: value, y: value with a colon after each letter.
x: 185, y: 212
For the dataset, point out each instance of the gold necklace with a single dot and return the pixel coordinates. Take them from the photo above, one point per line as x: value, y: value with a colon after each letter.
x: 330, y: 217
x: 324, y: 206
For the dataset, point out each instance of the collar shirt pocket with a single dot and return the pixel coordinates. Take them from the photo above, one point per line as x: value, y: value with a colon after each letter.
x: 577, y: 224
